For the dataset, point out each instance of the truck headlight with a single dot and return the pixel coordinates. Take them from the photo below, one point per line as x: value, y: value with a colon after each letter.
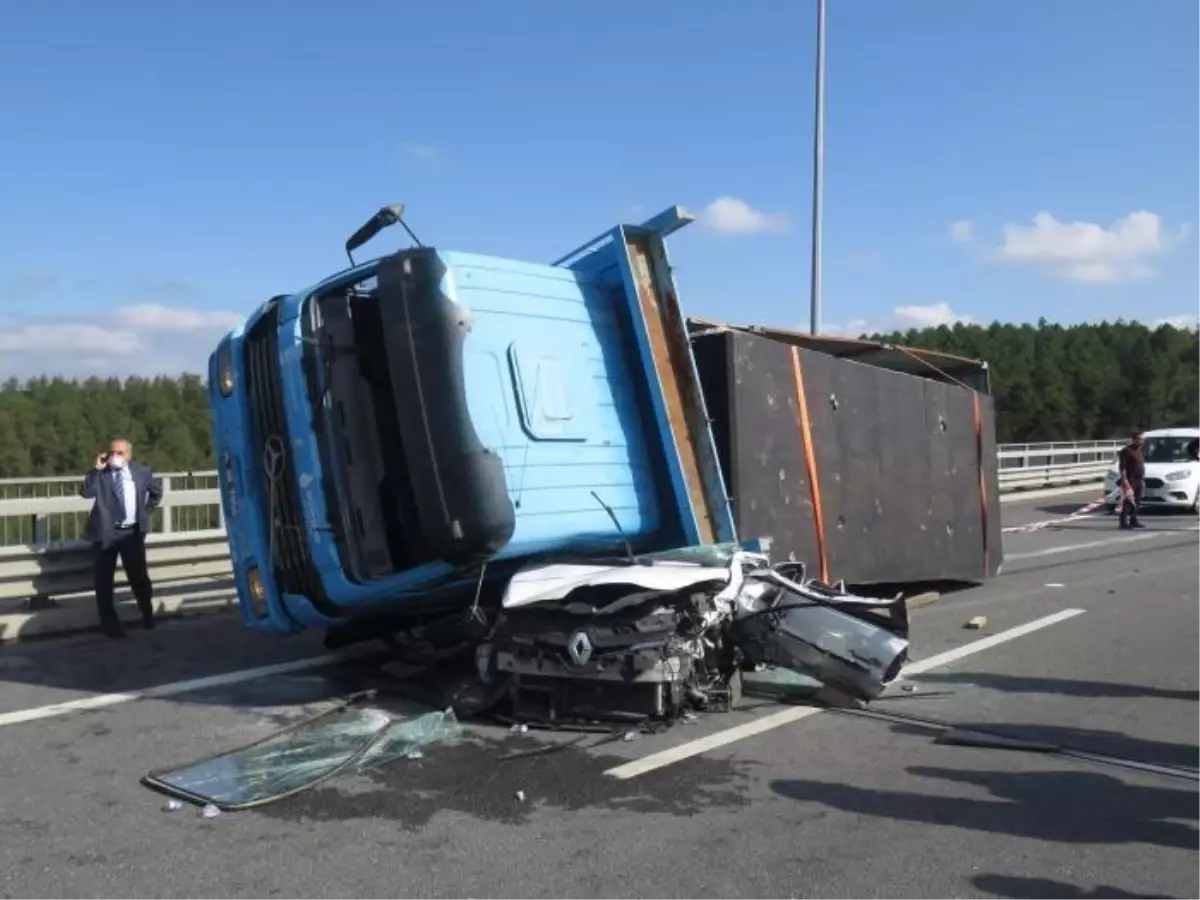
x: 1179, y: 475
x: 258, y: 593
x: 225, y: 371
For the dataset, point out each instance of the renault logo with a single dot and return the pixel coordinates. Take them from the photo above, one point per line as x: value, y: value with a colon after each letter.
x: 273, y: 456
x: 579, y: 648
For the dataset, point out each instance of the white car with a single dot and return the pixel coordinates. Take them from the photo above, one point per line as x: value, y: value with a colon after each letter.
x: 1172, y: 470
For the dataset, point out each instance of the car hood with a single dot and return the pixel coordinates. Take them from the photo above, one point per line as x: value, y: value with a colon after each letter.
x: 1163, y: 469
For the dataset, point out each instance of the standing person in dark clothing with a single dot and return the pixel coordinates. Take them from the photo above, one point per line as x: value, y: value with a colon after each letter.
x: 125, y: 495
x: 1131, y: 469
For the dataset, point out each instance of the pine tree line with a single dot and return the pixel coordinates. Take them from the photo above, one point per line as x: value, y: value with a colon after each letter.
x: 1080, y: 382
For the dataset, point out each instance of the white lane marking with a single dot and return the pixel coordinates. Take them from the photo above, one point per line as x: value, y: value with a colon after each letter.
x: 957, y: 653
x: 1086, y: 545
x: 1043, y: 493
x: 711, y: 742
x: 795, y: 713
x: 100, y: 701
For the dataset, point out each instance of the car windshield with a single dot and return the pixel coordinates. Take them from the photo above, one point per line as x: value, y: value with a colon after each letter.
x: 1170, y: 449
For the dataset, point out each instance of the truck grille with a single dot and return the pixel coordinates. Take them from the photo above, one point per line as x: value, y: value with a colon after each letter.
x: 291, y: 566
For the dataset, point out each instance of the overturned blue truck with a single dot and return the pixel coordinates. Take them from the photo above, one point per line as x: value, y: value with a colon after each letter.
x: 531, y: 465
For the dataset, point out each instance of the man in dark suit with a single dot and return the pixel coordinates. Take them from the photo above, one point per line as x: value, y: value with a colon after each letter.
x: 125, y: 494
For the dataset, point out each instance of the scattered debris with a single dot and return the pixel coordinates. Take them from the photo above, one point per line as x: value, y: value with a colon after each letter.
x: 961, y: 737
x: 210, y: 811
x: 1054, y: 584
x: 173, y: 805
x: 544, y: 749
x: 976, y: 622
x: 624, y: 647
x: 521, y: 796
x: 909, y: 687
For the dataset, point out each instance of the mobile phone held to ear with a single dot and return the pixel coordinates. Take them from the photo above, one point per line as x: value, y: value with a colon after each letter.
x: 105, y: 455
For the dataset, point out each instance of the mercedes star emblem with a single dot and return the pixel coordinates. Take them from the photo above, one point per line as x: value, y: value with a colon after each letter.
x: 273, y: 454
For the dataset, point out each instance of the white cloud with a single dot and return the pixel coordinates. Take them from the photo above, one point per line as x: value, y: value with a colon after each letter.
x: 142, y: 339
x: 1185, y: 322
x: 1087, y: 252
x: 155, y: 317
x: 902, y: 318
x: 930, y: 316
x: 962, y: 231
x: 729, y: 215
x: 67, y: 338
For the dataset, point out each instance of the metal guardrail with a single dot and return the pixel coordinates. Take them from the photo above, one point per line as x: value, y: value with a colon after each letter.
x: 42, y: 520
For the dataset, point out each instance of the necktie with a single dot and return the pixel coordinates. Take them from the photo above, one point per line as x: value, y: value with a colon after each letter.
x: 119, y: 480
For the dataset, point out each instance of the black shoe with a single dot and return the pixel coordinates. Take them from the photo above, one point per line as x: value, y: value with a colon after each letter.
x: 113, y: 630
x: 1137, y: 525
x: 148, y: 623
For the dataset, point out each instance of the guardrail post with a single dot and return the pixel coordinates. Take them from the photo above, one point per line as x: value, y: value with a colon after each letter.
x: 167, y: 525
x: 41, y: 528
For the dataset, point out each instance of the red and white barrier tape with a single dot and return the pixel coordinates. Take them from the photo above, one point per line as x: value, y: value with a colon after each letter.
x: 1078, y: 514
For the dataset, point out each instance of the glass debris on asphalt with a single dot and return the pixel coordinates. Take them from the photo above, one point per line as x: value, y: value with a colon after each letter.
x: 623, y: 647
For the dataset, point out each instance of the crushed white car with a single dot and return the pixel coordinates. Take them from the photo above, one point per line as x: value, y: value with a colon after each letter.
x: 660, y: 635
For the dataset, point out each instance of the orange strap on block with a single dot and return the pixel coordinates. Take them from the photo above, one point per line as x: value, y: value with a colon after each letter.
x: 810, y: 462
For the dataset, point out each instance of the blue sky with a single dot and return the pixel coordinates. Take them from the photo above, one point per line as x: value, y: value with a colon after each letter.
x: 165, y: 168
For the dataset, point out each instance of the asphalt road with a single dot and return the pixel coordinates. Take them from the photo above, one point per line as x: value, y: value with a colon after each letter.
x: 827, y: 804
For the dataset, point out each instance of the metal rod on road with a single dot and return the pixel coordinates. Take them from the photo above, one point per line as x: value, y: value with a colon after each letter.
x: 818, y: 175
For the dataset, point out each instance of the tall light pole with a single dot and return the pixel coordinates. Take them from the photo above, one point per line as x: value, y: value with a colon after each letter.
x: 818, y: 176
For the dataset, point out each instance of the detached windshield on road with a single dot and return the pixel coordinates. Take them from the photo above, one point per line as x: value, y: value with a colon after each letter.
x: 1170, y: 449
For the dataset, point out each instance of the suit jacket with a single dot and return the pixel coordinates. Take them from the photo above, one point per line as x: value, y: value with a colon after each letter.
x: 109, y: 507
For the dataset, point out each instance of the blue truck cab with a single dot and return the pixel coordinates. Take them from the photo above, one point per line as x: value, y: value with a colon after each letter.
x: 390, y: 436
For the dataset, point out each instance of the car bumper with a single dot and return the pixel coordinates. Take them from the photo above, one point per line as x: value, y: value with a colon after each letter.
x: 1170, y: 495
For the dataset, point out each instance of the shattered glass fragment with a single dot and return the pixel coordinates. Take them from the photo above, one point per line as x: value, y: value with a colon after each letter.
x: 303, y: 755
x: 779, y: 684
x: 404, y: 739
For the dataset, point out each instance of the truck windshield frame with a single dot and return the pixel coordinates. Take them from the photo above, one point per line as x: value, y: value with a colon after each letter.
x: 325, y: 350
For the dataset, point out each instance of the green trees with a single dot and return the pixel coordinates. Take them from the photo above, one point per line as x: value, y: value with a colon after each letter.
x: 1050, y: 382
x: 1078, y: 382
x: 56, y: 427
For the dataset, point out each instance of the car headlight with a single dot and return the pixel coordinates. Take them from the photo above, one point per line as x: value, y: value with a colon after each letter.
x: 258, y: 593
x: 225, y: 371
x: 1179, y: 475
